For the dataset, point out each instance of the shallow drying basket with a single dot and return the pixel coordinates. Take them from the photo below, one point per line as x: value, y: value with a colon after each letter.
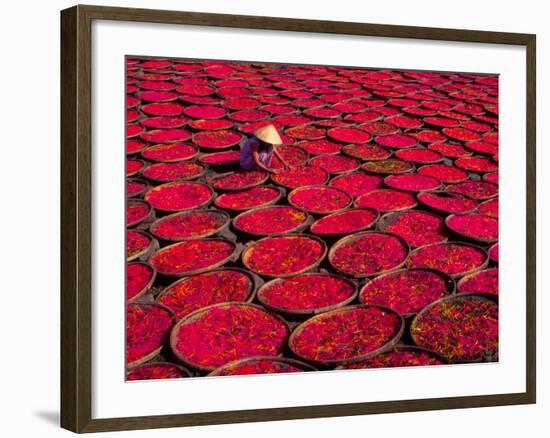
x: 481, y: 240
x: 255, y: 282
x: 335, y: 234
x: 282, y: 193
x: 149, y: 215
x: 196, y: 315
x: 220, y: 229
x: 182, y: 369
x: 146, y: 187
x: 389, y: 219
x: 145, y: 252
x: 248, y: 247
x: 450, y: 285
x: 231, y: 258
x: 304, y: 188
x: 156, y: 352
x: 459, y: 274
x: 429, y: 306
x: 202, y: 205
x: 284, y: 360
x: 335, y: 362
x: 308, y: 220
x: 412, y: 348
x: 149, y: 284
x: 214, y: 179
x: 355, y: 236
x: 308, y: 312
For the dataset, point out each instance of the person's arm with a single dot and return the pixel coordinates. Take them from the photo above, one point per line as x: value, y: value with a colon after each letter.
x: 261, y: 165
x: 280, y: 157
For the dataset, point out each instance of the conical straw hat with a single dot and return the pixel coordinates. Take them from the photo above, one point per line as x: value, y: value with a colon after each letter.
x: 268, y: 134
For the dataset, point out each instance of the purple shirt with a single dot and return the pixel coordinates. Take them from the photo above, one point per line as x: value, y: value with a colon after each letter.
x: 247, y: 158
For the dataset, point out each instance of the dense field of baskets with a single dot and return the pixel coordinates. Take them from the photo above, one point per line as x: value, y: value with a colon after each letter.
x: 378, y: 247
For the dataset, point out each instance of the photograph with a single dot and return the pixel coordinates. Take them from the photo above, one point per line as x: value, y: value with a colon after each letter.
x: 289, y: 218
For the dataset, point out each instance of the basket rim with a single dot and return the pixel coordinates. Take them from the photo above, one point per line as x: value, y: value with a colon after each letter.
x: 162, y: 219
x: 197, y: 313
x: 450, y: 285
x: 152, y: 354
x: 490, y: 250
x: 334, y: 362
x: 250, y: 245
x: 455, y: 297
x: 286, y: 360
x: 198, y: 270
x: 323, y: 187
x: 308, y: 312
x: 355, y: 236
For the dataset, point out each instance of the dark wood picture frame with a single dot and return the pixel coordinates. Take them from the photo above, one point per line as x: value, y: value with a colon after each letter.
x: 76, y: 239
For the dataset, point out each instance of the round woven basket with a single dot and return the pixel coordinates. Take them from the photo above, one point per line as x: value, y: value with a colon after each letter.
x: 156, y: 352
x: 220, y: 229
x: 445, y: 299
x: 149, y: 284
x: 335, y: 362
x: 389, y: 219
x: 196, y: 315
x: 337, y: 234
x: 355, y: 236
x: 300, y: 227
x: 412, y: 348
x: 460, y: 274
x: 328, y: 211
x: 255, y: 283
x: 248, y: 247
x: 465, y: 236
x: 233, y: 257
x: 450, y: 285
x: 182, y: 369
x: 284, y: 360
x: 308, y: 312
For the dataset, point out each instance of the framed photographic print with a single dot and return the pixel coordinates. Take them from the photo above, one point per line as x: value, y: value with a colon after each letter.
x: 268, y: 218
